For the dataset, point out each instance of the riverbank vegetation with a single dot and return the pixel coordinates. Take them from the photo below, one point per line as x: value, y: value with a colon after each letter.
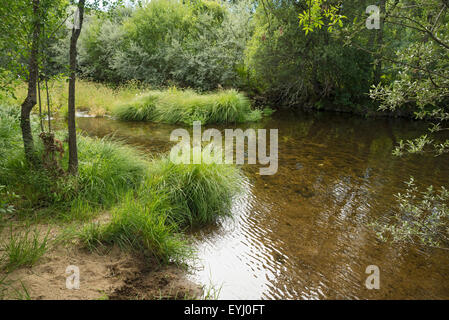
x: 151, y: 202
x: 138, y: 102
x: 179, y: 106
x: 176, y: 62
x: 97, y: 99
x: 259, y: 47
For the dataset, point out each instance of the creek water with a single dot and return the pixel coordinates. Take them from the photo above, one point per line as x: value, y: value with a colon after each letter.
x: 303, y: 233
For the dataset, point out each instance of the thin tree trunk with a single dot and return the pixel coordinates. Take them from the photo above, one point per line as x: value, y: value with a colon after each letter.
x: 76, y: 30
x: 40, y: 103
x: 31, y: 99
x: 379, y: 42
x: 48, y: 105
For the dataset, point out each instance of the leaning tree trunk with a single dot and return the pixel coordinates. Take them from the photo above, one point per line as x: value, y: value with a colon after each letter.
x: 31, y: 99
x: 76, y: 30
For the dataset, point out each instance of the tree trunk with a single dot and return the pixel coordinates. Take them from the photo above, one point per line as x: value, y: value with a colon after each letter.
x: 379, y: 43
x: 31, y: 99
x: 76, y: 30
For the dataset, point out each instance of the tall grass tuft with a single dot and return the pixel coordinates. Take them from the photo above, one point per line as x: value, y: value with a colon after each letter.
x: 9, y: 133
x: 198, y: 193
x: 141, y: 109
x: 172, y: 198
x: 23, y: 249
x: 185, y: 106
x: 107, y: 169
x: 140, y: 224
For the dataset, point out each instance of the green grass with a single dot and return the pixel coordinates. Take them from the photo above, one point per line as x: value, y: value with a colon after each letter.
x: 172, y: 198
x: 23, y: 249
x: 198, y: 193
x: 185, y: 106
x: 140, y: 226
x: 96, y: 98
x: 8, y: 289
x: 151, y: 202
x: 107, y: 170
x: 134, y: 102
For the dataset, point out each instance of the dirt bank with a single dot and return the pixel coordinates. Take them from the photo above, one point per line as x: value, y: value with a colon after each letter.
x: 108, y: 275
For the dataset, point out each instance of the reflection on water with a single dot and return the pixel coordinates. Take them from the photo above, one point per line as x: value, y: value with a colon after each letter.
x: 302, y: 233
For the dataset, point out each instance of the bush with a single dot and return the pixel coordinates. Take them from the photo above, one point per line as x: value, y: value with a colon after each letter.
x: 420, y: 217
x: 198, y: 44
x: 288, y: 67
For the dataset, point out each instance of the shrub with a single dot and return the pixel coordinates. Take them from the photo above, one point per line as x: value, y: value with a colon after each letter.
x: 287, y: 67
x: 198, y: 44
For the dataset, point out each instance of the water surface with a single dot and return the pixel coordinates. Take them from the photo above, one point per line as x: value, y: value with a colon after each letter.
x: 302, y: 233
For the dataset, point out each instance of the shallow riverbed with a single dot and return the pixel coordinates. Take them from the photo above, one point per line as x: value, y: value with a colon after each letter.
x: 302, y: 233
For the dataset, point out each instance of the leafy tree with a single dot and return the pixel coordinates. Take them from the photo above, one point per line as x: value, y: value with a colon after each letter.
x: 197, y: 44
x: 27, y: 30
x: 421, y: 70
x: 320, y: 13
x: 292, y: 68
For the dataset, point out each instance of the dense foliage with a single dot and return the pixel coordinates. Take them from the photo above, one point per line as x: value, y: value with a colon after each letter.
x: 317, y: 53
x: 290, y: 67
x: 197, y: 44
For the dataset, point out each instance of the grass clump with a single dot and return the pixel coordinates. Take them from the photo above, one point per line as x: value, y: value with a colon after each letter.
x: 198, y: 193
x: 107, y: 170
x: 23, y: 249
x: 10, y: 137
x: 141, y: 109
x: 172, y: 198
x: 185, y: 106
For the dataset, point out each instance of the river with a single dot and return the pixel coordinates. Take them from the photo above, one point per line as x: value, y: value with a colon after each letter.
x: 303, y: 233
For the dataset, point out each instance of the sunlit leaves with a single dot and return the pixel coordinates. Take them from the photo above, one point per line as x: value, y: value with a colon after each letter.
x: 419, y: 217
x: 318, y: 14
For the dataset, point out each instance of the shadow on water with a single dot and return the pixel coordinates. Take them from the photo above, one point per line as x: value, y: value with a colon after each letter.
x: 302, y: 233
